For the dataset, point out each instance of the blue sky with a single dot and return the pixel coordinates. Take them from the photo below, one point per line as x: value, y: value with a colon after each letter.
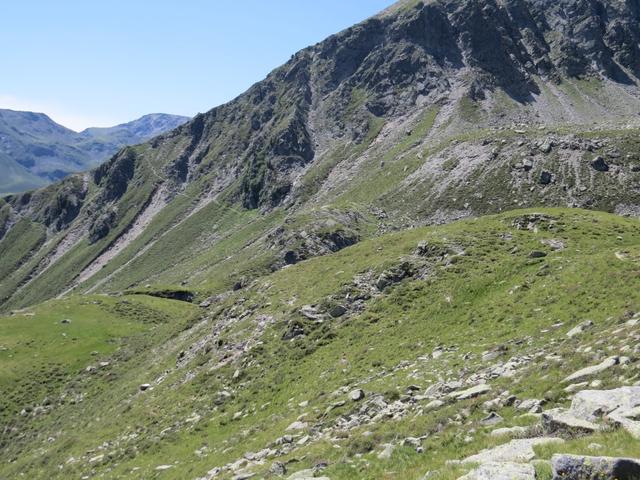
x: 98, y: 63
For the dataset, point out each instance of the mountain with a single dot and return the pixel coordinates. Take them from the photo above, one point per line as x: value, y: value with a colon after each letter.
x: 34, y: 150
x: 410, y: 235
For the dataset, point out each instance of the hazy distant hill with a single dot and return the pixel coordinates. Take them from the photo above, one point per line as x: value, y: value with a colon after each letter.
x: 35, y: 150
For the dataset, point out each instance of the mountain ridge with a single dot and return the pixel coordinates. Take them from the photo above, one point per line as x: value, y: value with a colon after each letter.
x: 410, y: 235
x: 41, y: 151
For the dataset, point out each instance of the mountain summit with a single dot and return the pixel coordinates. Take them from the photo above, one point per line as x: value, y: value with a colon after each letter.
x: 270, y: 286
x: 425, y: 113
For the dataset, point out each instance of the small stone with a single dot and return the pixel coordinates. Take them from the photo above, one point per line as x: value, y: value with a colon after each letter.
x: 357, y: 395
x: 297, y: 425
x: 471, y: 392
x: 145, y: 386
x: 599, y: 164
x: 491, y: 419
x: 578, y: 329
x: 278, y: 468
x: 386, y: 453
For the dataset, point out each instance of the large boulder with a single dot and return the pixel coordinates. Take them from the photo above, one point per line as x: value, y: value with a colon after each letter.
x: 577, y: 467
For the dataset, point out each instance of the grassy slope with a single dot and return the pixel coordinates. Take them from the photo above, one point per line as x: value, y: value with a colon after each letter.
x: 493, y: 295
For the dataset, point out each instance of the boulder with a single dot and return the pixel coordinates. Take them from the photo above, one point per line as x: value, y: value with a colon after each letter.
x: 519, y: 451
x: 593, y: 370
x: 561, y: 421
x: 578, y: 467
x: 501, y: 471
x: 593, y: 404
x: 357, y: 395
x: 510, y: 431
x: 471, y: 392
x: 578, y: 329
x: 296, y: 426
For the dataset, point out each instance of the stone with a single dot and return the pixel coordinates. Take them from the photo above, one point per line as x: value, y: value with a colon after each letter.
x: 575, y: 386
x: 545, y: 178
x: 578, y: 467
x: 599, y: 164
x: 386, y: 453
x: 561, y: 421
x: 578, y: 329
x: 546, y: 146
x: 593, y: 370
x: 492, y: 419
x: 501, y: 471
x: 529, y: 404
x: 337, y: 311
x: 357, y: 395
x: 145, y: 386
x: 433, y: 405
x: 519, y: 451
x: 510, y: 431
x: 593, y: 404
x: 297, y: 425
x: 243, y: 476
x: 537, y: 254
x: 471, y: 392
x: 65, y: 321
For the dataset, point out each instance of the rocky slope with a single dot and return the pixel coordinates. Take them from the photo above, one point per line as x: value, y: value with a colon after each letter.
x: 34, y: 150
x: 482, y: 346
x: 402, y: 351
x: 422, y: 114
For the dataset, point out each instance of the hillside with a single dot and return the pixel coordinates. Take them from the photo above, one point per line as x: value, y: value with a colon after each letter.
x: 35, y: 151
x: 398, y: 121
x: 415, y: 232
x: 264, y: 377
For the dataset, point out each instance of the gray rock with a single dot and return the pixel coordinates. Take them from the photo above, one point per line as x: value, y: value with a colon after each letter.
x: 593, y: 370
x: 501, y: 471
x: 545, y: 178
x: 578, y: 329
x: 561, y: 421
x: 577, y: 467
x: 599, y: 164
x: 492, y: 419
x: 593, y: 404
x: 357, y: 395
x: 510, y: 431
x: 386, y: 453
x: 546, y: 146
x: 296, y: 426
x: 519, y: 451
x: 145, y: 386
x: 471, y: 392
x: 337, y: 311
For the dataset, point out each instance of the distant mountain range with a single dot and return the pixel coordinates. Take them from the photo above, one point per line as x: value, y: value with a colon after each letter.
x: 35, y: 150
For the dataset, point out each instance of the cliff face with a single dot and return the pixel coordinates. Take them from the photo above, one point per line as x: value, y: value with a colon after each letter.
x: 424, y: 113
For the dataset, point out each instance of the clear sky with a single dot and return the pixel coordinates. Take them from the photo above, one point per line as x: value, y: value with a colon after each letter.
x: 103, y: 62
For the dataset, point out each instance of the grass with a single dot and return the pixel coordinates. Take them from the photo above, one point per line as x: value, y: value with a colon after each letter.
x: 493, y: 295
